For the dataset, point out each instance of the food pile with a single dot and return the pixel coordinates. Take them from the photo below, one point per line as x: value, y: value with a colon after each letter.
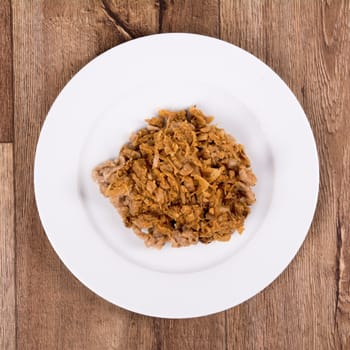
x: 180, y: 180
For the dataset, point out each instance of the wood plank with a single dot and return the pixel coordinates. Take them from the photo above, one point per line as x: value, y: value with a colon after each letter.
x: 307, y: 44
x: 192, y: 334
x: 52, y: 40
x: 6, y: 98
x: 206, y: 332
x: 7, y: 251
x: 342, y: 296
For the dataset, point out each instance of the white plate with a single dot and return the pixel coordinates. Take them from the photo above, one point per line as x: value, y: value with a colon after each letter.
x: 94, y: 115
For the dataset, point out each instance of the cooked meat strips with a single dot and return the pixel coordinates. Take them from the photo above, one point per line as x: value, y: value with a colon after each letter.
x: 180, y: 180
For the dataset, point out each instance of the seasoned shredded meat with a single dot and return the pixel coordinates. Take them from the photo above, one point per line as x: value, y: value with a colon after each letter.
x: 180, y: 180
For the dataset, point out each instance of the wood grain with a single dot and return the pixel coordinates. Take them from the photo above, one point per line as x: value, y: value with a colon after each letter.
x: 307, y: 44
x: 6, y: 102
x: 200, y: 17
x: 133, y: 19
x: 7, y: 250
x: 207, y: 332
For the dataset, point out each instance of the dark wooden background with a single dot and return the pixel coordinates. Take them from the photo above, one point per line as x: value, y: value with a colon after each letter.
x: 43, y: 44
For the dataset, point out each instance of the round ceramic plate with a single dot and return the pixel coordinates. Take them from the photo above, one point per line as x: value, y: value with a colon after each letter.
x: 109, y: 99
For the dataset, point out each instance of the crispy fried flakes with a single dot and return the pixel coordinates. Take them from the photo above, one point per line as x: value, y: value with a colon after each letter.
x: 180, y: 180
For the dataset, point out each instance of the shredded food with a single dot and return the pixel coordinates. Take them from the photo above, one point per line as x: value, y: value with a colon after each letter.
x: 180, y: 180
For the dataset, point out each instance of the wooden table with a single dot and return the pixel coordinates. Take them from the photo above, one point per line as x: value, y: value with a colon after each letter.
x: 43, y: 44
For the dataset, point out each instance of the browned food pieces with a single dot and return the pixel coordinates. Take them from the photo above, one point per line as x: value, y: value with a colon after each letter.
x: 180, y: 180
